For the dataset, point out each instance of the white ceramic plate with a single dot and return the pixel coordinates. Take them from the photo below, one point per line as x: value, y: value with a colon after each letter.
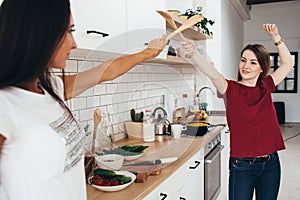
x: 133, y: 157
x: 118, y: 187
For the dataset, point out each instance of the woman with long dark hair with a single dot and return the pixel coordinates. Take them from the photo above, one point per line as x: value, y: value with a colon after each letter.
x: 41, y: 151
x: 255, y: 135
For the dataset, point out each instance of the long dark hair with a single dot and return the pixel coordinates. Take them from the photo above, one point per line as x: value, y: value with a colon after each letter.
x: 263, y: 58
x: 30, y: 33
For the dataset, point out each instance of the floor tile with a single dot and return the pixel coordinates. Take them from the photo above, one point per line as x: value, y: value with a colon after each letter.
x: 290, y: 165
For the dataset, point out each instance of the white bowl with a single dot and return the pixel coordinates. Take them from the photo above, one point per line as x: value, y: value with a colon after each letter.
x: 134, y: 157
x: 117, y: 187
x: 110, y: 161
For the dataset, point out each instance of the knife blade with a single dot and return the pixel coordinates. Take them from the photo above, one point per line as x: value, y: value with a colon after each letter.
x: 153, y: 162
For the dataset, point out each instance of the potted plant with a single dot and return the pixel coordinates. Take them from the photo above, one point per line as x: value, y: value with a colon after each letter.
x: 134, y: 128
x: 202, y: 24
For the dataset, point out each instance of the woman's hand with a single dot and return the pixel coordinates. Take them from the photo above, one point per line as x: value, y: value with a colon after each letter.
x: 155, y: 46
x: 188, y: 48
x: 271, y: 29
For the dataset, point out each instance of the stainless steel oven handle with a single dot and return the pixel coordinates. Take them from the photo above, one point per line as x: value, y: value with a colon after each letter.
x: 212, y: 156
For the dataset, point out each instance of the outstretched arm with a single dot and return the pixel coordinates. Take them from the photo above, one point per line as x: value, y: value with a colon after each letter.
x: 109, y: 70
x: 286, y: 60
x: 190, y: 53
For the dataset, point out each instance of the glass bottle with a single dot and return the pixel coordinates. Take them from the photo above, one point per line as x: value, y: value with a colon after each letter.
x: 148, y: 127
x: 106, y: 133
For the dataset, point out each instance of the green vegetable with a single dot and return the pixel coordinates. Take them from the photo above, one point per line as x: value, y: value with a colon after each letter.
x: 104, y: 173
x: 123, y: 179
x: 135, y: 148
x: 125, y: 150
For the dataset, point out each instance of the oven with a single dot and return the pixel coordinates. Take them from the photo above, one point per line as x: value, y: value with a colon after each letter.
x: 212, y: 168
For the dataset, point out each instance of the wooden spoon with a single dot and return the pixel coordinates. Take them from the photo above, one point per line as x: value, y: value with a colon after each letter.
x: 97, y: 120
x: 170, y: 21
x: 188, y: 23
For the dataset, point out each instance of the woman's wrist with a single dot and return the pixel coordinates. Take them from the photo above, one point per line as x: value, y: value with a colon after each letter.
x: 277, y: 43
x: 277, y: 40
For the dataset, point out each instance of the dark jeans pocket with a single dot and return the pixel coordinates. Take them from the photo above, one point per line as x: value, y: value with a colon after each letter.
x: 239, y: 164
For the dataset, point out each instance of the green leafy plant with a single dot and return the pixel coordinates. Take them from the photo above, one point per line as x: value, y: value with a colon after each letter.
x: 136, y: 116
x: 86, y: 130
x: 203, y: 24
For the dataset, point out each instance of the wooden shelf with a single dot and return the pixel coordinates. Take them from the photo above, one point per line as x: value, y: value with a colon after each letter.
x: 193, y: 33
x: 87, y: 54
x: 171, y: 60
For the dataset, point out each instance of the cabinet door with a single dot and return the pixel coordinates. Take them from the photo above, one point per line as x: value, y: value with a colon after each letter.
x: 108, y: 17
x: 144, y: 23
x: 187, y: 182
x: 194, y: 186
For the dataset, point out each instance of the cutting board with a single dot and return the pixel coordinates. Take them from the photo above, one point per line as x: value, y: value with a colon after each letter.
x: 142, y: 172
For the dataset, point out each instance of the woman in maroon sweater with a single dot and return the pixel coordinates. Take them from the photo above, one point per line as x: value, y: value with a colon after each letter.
x: 255, y: 135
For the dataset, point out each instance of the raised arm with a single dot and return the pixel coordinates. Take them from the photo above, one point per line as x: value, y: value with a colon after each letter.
x: 286, y: 60
x: 109, y: 70
x: 2, y: 138
x: 190, y: 53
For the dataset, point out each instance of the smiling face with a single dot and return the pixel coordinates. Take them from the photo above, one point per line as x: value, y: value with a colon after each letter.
x: 254, y: 64
x: 63, y: 50
x: 249, y: 67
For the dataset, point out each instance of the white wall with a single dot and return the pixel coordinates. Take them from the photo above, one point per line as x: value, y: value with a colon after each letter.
x: 286, y: 16
x: 224, y: 49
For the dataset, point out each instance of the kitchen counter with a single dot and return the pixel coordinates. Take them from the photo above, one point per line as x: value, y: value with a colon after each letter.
x: 163, y: 147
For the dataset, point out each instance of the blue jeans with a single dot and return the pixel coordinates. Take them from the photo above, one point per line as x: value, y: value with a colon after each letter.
x: 247, y: 175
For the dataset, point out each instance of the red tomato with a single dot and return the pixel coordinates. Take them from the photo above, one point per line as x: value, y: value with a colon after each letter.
x: 97, y: 180
x: 115, y: 182
x: 107, y: 183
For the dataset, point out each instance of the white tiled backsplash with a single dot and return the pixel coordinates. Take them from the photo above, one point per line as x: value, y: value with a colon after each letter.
x: 141, y: 88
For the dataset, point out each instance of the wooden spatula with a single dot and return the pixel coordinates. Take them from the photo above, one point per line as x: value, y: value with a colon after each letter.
x: 170, y: 21
x: 188, y: 23
x: 97, y: 120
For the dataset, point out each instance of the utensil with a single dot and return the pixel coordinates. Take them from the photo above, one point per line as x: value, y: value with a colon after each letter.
x: 97, y: 120
x: 170, y: 21
x: 154, y: 162
x: 188, y: 23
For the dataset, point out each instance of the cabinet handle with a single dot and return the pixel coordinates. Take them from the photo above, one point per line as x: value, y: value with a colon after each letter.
x: 182, y: 198
x: 197, y: 164
x: 227, y: 131
x: 97, y: 32
x: 164, y: 196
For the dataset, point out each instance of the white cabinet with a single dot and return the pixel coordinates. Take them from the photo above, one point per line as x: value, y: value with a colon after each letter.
x: 185, y: 183
x: 144, y: 23
x: 108, y: 17
x: 225, y: 141
x: 130, y: 24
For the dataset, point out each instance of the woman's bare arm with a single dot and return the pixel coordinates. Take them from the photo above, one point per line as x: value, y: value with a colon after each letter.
x: 2, y: 138
x: 191, y: 54
x: 286, y: 60
x: 109, y: 70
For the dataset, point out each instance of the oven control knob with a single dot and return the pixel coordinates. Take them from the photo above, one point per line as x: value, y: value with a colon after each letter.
x: 210, y: 145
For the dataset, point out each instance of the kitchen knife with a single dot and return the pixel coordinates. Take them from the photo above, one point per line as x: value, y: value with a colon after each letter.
x: 153, y: 162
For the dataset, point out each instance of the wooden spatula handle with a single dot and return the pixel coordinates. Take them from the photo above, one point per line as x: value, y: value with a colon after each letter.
x: 188, y: 23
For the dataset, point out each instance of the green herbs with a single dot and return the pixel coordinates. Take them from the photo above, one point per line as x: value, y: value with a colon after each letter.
x: 126, y: 150
x: 203, y: 24
x: 86, y: 130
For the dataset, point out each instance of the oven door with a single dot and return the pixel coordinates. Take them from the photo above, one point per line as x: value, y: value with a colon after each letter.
x: 212, y: 173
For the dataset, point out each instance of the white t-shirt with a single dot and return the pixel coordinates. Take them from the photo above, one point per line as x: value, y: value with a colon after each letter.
x: 42, y: 156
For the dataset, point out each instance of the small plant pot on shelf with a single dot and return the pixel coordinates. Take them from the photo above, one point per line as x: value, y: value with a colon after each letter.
x: 134, y: 130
